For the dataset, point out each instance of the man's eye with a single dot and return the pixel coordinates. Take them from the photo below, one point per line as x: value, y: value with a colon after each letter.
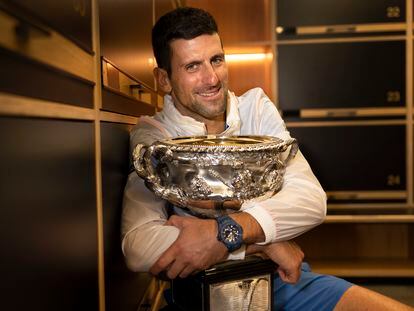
x: 217, y: 61
x: 192, y: 67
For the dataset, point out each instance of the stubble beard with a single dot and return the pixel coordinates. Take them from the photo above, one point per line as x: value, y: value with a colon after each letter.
x: 199, y: 109
x: 211, y: 110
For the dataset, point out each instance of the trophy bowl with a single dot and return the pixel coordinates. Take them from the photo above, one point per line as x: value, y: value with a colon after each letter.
x: 214, y: 168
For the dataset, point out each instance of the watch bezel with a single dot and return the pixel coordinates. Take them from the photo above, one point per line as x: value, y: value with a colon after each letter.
x: 226, y: 223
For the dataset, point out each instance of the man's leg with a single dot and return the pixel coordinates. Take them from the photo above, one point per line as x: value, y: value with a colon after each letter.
x: 326, y: 293
x: 359, y: 298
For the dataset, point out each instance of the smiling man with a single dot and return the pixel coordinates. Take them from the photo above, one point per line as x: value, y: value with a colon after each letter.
x: 158, y: 237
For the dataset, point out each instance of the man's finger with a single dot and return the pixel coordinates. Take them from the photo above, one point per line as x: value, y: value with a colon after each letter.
x: 288, y: 276
x: 205, y: 204
x: 166, y: 259
x: 177, y: 221
x: 232, y: 204
x: 282, y: 275
x: 173, y: 220
x: 210, y: 204
x: 175, y: 269
x: 187, y: 271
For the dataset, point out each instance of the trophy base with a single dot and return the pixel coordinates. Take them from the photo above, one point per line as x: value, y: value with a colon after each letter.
x: 232, y: 285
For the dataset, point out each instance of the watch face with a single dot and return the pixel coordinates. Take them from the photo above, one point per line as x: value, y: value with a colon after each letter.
x: 231, y: 234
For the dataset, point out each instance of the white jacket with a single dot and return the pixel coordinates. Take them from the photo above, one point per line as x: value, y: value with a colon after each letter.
x: 297, y: 207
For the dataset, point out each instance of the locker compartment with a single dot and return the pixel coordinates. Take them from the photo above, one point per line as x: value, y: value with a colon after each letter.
x: 240, y: 21
x: 356, y: 162
x: 293, y: 14
x: 361, y: 250
x: 124, y: 94
x: 72, y: 18
x: 118, y: 102
x: 125, y: 33
x: 49, y: 230
x: 341, y: 75
x: 123, y: 288
x: 26, y: 77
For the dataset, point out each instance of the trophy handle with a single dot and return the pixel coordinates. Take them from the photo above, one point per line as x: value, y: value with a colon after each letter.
x: 293, y: 149
x: 144, y: 165
x: 138, y: 160
x: 142, y: 160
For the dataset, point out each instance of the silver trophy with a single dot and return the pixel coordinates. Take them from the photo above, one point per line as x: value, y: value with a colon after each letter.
x: 214, y: 168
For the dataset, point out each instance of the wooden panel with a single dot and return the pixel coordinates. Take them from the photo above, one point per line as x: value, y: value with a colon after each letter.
x: 125, y: 33
x: 48, y: 229
x: 245, y: 75
x: 69, y: 17
x: 361, y: 268
x: 123, y: 288
x: 44, y: 45
x: 14, y: 105
x: 239, y: 21
x: 115, y: 79
x: 162, y: 6
x: 117, y: 102
x: 29, y: 78
x: 357, y: 241
x: 411, y: 242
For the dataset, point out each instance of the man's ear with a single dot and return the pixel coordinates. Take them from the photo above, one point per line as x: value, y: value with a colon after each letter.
x: 163, y: 81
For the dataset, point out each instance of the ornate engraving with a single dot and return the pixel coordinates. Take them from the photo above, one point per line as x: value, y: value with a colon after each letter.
x: 200, y: 187
x: 243, y: 179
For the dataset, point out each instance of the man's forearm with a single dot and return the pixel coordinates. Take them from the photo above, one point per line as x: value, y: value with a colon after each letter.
x: 252, y: 249
x: 252, y: 231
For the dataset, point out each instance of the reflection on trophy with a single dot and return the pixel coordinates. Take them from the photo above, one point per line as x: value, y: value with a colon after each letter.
x: 188, y: 171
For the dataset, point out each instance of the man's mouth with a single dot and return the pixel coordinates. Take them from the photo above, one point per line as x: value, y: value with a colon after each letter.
x: 210, y: 93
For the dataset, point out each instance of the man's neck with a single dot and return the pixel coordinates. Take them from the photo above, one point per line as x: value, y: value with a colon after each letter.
x: 215, y: 126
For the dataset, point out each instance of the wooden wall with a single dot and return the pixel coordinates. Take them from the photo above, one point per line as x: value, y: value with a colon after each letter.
x: 64, y: 132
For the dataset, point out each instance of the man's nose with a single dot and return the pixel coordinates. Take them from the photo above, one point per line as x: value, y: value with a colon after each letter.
x: 210, y: 75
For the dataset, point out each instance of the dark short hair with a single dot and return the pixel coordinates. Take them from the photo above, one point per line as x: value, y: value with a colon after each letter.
x: 182, y: 23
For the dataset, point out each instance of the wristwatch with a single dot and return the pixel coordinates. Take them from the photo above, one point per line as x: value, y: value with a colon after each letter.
x: 230, y: 233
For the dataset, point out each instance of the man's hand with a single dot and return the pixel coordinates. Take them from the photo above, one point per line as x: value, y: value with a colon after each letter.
x: 195, y: 249
x: 287, y: 255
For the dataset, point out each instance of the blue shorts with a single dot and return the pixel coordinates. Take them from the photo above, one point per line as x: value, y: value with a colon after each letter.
x: 312, y: 292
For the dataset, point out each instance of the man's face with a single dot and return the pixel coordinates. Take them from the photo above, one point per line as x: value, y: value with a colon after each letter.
x: 199, y: 77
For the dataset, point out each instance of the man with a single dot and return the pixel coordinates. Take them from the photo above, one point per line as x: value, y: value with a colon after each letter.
x: 192, y: 71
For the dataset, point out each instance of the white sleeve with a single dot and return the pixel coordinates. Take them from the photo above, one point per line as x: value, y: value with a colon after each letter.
x: 300, y: 205
x: 144, y: 236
